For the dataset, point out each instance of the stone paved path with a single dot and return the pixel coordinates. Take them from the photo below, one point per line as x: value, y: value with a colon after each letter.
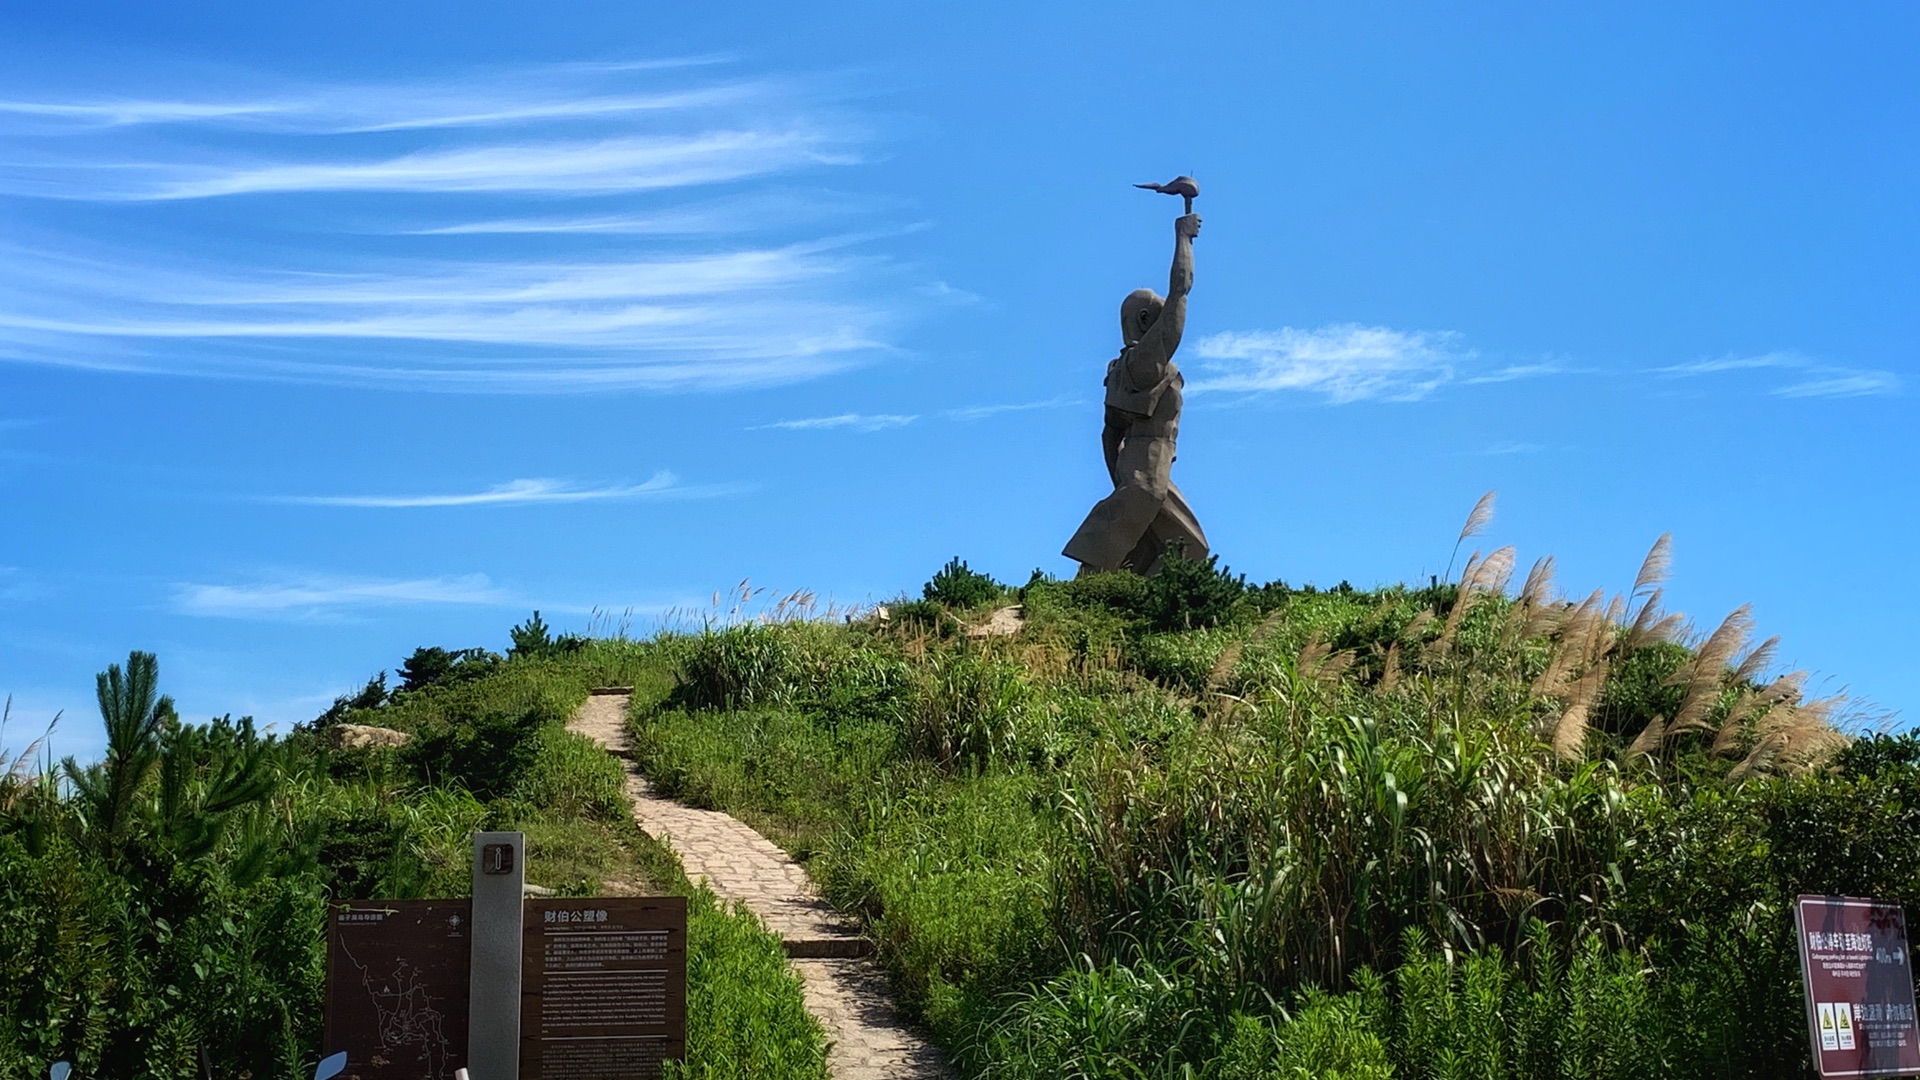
x: 844, y: 989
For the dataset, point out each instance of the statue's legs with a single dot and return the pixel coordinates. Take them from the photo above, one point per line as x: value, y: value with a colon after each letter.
x: 1174, y: 525
x: 1113, y: 527
x: 1133, y: 526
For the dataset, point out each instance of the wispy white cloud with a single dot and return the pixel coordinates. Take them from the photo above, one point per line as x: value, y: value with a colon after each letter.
x: 623, y: 224
x: 865, y: 422
x: 1810, y: 378
x: 320, y: 595
x: 662, y: 485
x: 710, y: 320
x: 549, y: 93
x: 1735, y: 363
x: 1344, y: 362
x: 577, y: 168
x: 850, y: 421
x: 1347, y: 362
x: 258, y: 304
x: 1834, y: 383
x: 725, y: 216
x: 1515, y: 372
x: 947, y: 294
x: 558, y: 130
x: 971, y: 413
x: 126, y: 112
x: 486, y: 113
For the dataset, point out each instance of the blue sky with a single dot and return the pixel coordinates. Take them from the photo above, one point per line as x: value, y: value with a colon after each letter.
x: 327, y: 331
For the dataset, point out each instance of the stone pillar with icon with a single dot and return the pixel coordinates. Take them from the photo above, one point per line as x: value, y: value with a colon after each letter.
x: 499, y: 906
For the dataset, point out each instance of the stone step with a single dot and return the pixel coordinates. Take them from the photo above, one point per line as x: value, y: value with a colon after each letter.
x: 835, y: 947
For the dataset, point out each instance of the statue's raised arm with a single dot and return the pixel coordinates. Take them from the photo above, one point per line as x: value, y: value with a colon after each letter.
x: 1154, y: 343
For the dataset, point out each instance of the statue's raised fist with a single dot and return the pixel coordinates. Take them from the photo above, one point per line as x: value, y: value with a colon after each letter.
x: 1187, y: 225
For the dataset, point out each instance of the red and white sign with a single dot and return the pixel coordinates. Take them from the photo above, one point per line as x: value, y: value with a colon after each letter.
x: 1857, y: 968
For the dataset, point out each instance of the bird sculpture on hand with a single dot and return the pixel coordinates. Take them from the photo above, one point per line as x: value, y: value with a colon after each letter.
x: 1184, y: 186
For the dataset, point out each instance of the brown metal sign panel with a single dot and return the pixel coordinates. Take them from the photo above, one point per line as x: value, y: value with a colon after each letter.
x: 1857, y: 968
x: 397, y: 974
x: 604, y: 990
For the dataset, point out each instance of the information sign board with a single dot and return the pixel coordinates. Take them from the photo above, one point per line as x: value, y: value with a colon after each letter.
x: 604, y: 987
x: 1857, y: 968
x: 397, y: 985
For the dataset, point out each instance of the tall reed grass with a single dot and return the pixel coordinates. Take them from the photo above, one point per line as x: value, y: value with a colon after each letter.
x: 1472, y: 828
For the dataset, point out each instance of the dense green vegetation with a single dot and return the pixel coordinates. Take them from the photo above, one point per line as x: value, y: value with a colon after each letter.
x: 162, y: 911
x: 1180, y: 826
x: 1187, y: 826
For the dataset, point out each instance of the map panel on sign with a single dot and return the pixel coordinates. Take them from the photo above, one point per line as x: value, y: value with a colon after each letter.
x: 397, y: 977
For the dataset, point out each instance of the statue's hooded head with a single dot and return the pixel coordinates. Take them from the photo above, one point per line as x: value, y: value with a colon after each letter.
x: 1138, y: 312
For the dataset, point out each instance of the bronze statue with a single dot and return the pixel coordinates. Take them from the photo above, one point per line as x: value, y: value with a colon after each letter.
x: 1146, y: 514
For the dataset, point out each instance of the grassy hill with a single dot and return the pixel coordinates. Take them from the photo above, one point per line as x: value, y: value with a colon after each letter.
x: 1188, y: 826
x: 1183, y: 826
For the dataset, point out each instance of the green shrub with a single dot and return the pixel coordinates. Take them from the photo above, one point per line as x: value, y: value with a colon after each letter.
x: 972, y: 711
x: 1596, y: 1014
x: 573, y: 776
x: 956, y: 586
x: 1881, y: 755
x: 1122, y: 592
x: 1640, y: 688
x: 1184, y: 660
x: 1250, y: 1051
x: 532, y: 640
x: 1328, y: 1038
x: 432, y: 665
x: 1602, y: 1015
x: 930, y: 614
x: 369, y: 697
x: 132, y: 976
x: 1097, y: 1022
x: 862, y: 686
x: 1715, y: 868
x: 738, y: 667
x: 362, y: 855
x: 486, y: 756
x: 746, y: 1015
x: 1189, y: 594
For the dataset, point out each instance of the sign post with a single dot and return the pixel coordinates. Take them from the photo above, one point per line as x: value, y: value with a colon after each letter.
x: 1856, y: 964
x: 499, y: 886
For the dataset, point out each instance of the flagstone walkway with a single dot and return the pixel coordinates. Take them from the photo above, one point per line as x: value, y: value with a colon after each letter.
x: 844, y: 989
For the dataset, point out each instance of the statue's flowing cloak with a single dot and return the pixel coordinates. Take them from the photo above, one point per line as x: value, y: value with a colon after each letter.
x: 1146, y: 513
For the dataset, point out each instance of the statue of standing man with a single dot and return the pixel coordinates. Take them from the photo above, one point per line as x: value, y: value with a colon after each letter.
x: 1146, y: 514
